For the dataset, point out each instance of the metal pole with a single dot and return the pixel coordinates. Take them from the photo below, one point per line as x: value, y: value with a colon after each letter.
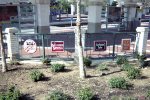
x: 4, y: 65
x: 43, y: 46
x: 114, y: 38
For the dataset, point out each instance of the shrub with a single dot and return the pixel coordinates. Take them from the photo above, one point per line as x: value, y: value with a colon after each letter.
x: 57, y: 67
x: 85, y: 94
x: 36, y: 75
x: 57, y: 95
x: 11, y: 94
x: 121, y: 60
x: 148, y: 94
x: 15, y: 62
x: 87, y: 62
x: 133, y: 73
x: 141, y: 59
x: 118, y: 82
x: 102, y: 67
x: 127, y: 67
x: 46, y: 61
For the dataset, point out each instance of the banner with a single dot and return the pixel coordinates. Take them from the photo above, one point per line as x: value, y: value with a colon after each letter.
x: 100, y: 45
x: 126, y: 44
x: 57, y: 46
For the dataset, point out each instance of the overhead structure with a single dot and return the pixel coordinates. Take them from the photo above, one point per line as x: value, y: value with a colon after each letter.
x: 32, y: 14
x: 94, y: 16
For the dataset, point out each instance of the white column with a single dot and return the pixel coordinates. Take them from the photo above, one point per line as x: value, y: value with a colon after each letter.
x: 94, y: 16
x: 43, y: 14
x: 72, y: 9
x: 12, y: 43
x: 141, y: 40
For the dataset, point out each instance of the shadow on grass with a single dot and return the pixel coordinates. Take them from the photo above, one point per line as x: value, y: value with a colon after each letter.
x: 26, y: 97
x: 46, y: 79
x: 144, y: 77
x: 92, y: 67
x: 89, y: 76
x: 95, y: 97
x: 34, y: 68
x: 67, y: 70
x: 105, y: 74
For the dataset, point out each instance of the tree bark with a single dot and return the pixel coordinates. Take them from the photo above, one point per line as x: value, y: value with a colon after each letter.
x: 79, y: 42
x: 4, y: 65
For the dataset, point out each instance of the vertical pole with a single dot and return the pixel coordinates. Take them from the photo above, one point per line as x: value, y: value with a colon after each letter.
x: 4, y: 65
x: 43, y: 46
x: 114, y: 38
x: 107, y: 11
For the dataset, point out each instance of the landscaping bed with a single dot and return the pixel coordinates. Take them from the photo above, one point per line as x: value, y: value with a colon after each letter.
x: 69, y: 83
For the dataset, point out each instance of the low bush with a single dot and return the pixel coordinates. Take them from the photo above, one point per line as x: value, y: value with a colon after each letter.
x: 57, y: 95
x: 121, y: 60
x: 118, y: 82
x: 36, y: 75
x: 85, y: 94
x: 87, y: 62
x: 127, y: 67
x: 57, y: 67
x: 11, y: 94
x: 102, y: 67
x: 46, y: 61
x: 134, y: 73
x: 148, y: 94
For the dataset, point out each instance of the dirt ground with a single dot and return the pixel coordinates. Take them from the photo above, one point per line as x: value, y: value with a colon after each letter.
x: 69, y: 82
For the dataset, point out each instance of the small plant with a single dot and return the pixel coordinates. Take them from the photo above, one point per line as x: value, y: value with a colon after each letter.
x: 133, y: 73
x: 46, y: 61
x: 15, y: 62
x: 121, y: 60
x: 148, y: 94
x: 57, y: 67
x: 57, y: 95
x: 36, y: 75
x: 11, y: 94
x: 141, y: 59
x: 118, y: 82
x: 85, y: 94
x: 87, y: 62
x: 127, y: 67
x: 102, y: 67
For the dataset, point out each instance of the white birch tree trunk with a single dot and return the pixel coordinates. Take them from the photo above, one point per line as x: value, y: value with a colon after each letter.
x: 79, y: 42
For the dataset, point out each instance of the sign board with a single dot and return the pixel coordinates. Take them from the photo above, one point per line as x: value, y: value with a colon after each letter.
x: 100, y: 45
x: 30, y: 46
x: 57, y: 46
x: 126, y: 44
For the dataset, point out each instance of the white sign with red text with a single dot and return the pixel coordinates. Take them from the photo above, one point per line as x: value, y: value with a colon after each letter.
x: 57, y: 46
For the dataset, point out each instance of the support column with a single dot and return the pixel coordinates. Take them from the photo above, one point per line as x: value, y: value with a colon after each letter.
x: 72, y: 9
x: 130, y: 7
x: 141, y: 40
x: 94, y: 16
x: 12, y: 43
x: 43, y: 14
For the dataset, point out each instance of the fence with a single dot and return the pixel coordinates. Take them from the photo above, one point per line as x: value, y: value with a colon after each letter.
x: 113, y: 46
x: 44, y: 45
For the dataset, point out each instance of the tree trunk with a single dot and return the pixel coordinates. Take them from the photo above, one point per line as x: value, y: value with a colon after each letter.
x: 4, y: 66
x: 79, y: 42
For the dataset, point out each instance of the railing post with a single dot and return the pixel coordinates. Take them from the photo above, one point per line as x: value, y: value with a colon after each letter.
x: 43, y: 46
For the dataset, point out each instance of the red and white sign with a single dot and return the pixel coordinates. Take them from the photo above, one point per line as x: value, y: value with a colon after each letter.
x: 57, y: 46
x: 30, y: 46
x: 126, y: 44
